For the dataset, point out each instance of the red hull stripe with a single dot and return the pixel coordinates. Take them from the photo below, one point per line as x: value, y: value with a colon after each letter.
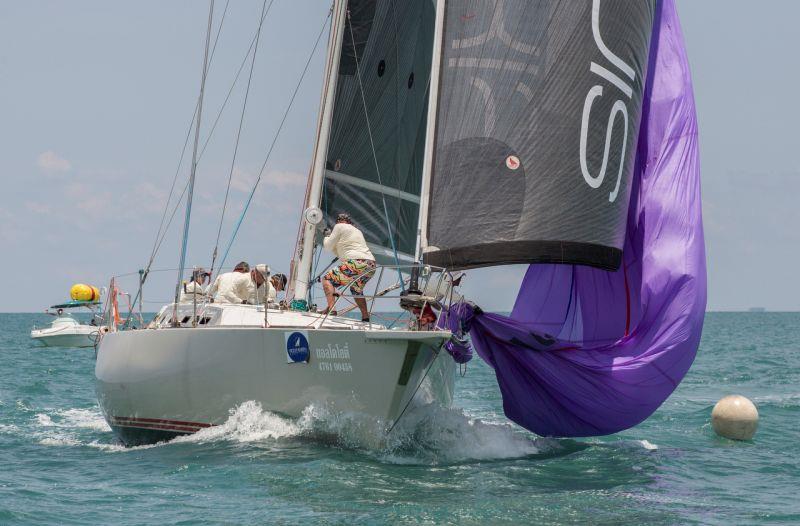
x: 160, y: 427
x: 159, y: 423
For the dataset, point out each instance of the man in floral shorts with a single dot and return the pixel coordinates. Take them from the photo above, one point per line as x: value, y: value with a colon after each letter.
x: 356, y: 264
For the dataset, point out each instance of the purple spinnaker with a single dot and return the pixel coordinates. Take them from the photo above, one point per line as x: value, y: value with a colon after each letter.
x: 621, y: 341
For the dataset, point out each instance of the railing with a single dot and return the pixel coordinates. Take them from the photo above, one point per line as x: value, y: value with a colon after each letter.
x: 388, y: 298
x: 422, y: 286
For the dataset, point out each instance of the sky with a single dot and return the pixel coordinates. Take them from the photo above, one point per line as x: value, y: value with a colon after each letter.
x: 96, y: 99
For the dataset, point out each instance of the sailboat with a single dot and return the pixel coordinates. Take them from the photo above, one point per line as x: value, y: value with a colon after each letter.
x: 462, y: 134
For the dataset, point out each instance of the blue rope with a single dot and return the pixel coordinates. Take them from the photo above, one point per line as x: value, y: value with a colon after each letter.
x: 238, y: 224
x: 272, y: 146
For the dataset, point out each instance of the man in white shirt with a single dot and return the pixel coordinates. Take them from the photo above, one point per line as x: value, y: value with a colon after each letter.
x: 357, y: 264
x: 194, y: 288
x: 259, y: 284
x: 232, y: 287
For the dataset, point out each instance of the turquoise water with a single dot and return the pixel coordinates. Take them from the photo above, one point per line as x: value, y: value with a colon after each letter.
x: 60, y: 464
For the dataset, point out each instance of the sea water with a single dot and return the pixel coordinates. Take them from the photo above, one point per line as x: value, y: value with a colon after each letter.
x: 60, y: 463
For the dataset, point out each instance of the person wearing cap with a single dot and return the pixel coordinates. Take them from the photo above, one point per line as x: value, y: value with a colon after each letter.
x: 232, y: 287
x: 259, y: 284
x: 194, y: 287
x: 277, y: 284
x: 356, y: 264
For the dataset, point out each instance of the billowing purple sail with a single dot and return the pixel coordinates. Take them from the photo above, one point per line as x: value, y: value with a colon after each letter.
x: 590, y: 352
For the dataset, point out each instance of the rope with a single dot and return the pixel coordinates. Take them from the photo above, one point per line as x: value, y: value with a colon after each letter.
x: 272, y: 145
x: 233, y: 85
x: 188, y: 216
x: 403, y: 412
x: 372, y: 146
x: 156, y: 242
x: 239, y: 132
x: 159, y: 236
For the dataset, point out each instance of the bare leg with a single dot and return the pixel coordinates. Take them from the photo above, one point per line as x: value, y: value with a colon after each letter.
x: 329, y: 289
x: 362, y: 305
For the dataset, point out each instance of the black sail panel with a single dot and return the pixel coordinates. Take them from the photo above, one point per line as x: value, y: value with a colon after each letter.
x: 393, y: 48
x: 538, y: 112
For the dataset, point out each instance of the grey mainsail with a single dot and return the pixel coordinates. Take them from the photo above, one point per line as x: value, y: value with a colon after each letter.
x: 537, y: 116
x: 393, y: 53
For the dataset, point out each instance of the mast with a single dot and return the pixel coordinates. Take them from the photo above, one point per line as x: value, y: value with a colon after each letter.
x: 302, y: 274
x: 190, y: 193
x: 430, y: 131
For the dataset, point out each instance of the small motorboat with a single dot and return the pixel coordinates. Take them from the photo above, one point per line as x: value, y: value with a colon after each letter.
x: 66, y: 330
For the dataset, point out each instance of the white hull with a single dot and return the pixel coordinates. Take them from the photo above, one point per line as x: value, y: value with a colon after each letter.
x: 153, y: 384
x: 66, y: 335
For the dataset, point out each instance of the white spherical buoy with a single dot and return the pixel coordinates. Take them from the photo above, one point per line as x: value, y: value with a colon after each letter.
x: 735, y: 417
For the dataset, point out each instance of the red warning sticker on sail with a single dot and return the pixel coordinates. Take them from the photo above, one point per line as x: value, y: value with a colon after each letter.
x: 512, y: 162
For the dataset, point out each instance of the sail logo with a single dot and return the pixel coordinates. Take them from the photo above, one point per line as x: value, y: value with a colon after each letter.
x: 297, y: 348
x: 618, y: 109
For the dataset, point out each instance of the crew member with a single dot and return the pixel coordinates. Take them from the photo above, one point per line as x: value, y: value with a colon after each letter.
x: 194, y: 288
x: 259, y: 284
x: 232, y: 287
x: 357, y: 264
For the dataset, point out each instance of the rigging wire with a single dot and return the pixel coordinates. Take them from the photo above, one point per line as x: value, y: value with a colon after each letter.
x: 403, y: 412
x: 233, y: 85
x: 162, y: 230
x: 159, y: 234
x: 264, y: 10
x: 274, y: 141
x: 372, y: 146
x: 193, y: 174
x: 156, y: 242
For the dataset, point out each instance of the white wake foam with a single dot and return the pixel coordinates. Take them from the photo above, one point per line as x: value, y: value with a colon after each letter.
x: 63, y: 427
x: 247, y: 423
x: 74, y: 419
x: 426, y: 435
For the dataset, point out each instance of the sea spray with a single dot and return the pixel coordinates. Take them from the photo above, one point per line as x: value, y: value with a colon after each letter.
x: 425, y: 435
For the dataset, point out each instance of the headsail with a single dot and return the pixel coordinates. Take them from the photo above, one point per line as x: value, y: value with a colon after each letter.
x: 537, y: 117
x: 590, y: 352
x: 390, y: 45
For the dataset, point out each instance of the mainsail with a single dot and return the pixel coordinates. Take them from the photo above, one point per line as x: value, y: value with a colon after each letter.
x: 538, y: 109
x: 590, y: 352
x: 373, y: 163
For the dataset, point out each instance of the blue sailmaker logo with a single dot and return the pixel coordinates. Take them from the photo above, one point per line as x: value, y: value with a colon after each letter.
x: 297, y: 349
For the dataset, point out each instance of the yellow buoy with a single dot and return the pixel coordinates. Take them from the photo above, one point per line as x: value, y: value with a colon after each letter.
x: 81, y: 292
x: 735, y: 417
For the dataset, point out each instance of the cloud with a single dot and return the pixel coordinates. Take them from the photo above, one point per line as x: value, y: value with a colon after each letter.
x: 51, y: 162
x: 243, y: 180
x: 9, y: 230
x: 38, y: 208
x: 89, y: 201
x: 149, y: 197
x: 284, y: 179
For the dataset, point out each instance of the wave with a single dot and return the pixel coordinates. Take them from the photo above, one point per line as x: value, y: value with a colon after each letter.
x: 74, y: 419
x: 430, y: 434
x: 424, y: 435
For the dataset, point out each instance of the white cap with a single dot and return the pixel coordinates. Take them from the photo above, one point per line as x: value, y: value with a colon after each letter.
x: 263, y: 269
